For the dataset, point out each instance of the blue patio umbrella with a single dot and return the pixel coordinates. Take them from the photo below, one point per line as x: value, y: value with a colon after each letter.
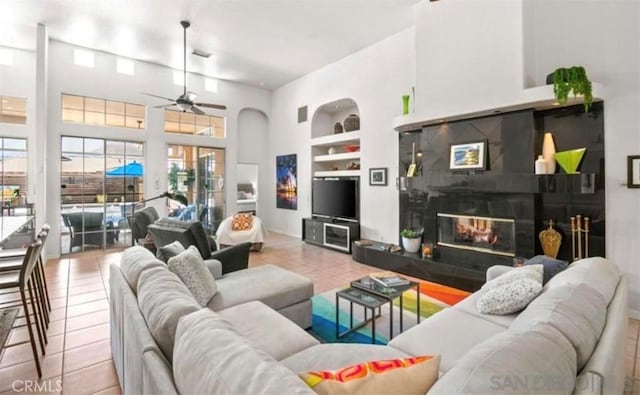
x: 133, y: 169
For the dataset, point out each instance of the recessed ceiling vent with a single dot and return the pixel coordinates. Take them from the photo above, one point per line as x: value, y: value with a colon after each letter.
x: 200, y: 53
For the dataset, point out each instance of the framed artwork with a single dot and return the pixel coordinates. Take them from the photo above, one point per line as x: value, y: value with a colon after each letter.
x: 468, y: 156
x: 633, y: 171
x: 287, y: 182
x: 378, y: 176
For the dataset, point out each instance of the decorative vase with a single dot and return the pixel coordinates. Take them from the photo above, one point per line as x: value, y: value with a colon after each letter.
x: 549, y: 152
x: 351, y: 123
x: 405, y: 104
x: 331, y: 151
x: 570, y: 160
x: 337, y: 128
x: 411, y: 245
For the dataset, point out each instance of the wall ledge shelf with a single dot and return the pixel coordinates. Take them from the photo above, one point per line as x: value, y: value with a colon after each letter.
x: 539, y: 98
x: 345, y: 156
x: 337, y: 139
x: 337, y: 173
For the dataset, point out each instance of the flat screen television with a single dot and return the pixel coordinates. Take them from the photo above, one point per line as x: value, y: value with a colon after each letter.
x: 336, y: 198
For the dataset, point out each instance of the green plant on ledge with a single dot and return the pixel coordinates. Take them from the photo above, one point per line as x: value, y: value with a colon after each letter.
x: 573, y: 79
x: 411, y: 234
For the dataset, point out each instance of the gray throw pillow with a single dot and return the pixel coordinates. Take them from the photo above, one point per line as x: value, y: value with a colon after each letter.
x: 552, y: 266
x: 169, y: 251
x: 511, y: 292
x: 190, y: 268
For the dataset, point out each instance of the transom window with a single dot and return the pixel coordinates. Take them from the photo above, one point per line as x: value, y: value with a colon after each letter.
x: 189, y: 123
x: 92, y: 111
x: 13, y: 110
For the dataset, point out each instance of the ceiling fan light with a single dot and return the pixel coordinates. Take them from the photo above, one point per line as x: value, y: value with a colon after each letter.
x: 183, y: 106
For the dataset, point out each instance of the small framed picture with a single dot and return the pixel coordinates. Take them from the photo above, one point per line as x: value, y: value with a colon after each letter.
x: 468, y: 156
x: 633, y: 171
x: 378, y: 176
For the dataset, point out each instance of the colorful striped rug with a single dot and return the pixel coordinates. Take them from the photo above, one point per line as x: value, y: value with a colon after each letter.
x: 433, y: 298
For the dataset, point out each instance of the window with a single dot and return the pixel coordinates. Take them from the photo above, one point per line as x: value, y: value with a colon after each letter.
x: 92, y: 111
x: 83, y: 57
x: 13, y: 170
x: 190, y: 123
x: 13, y: 110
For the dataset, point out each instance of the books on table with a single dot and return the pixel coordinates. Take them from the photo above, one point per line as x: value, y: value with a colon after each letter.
x: 388, y: 279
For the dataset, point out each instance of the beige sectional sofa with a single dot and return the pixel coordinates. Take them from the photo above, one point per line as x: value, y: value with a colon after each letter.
x: 570, y: 339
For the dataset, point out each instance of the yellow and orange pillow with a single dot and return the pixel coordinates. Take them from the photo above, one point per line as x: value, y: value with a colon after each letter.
x: 242, y: 221
x: 411, y: 375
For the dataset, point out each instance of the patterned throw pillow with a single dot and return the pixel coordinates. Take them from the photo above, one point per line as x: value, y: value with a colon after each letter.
x: 512, y: 291
x: 242, y: 221
x: 414, y: 375
x: 190, y: 268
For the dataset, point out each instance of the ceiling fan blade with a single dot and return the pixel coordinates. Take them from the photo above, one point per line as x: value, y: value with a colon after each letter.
x: 197, y: 110
x: 159, y: 97
x: 209, y: 105
x: 165, y: 105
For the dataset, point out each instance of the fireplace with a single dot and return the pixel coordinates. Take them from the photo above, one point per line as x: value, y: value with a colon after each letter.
x: 475, y: 233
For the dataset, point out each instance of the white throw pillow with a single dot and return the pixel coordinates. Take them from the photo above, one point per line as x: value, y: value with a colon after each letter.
x: 512, y: 291
x: 191, y: 269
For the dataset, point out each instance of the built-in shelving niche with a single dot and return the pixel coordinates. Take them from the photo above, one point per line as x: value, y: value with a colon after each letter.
x: 333, y: 153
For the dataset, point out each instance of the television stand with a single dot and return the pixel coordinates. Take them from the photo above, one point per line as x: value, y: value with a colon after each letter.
x: 330, y: 233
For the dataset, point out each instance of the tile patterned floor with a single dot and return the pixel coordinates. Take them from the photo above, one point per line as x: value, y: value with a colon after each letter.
x: 78, y: 359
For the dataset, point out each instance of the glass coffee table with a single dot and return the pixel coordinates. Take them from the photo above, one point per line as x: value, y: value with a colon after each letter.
x: 371, y: 296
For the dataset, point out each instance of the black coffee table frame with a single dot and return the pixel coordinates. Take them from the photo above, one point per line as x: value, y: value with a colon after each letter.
x: 371, y: 295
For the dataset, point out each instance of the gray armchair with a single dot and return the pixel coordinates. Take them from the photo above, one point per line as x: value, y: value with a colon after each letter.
x: 167, y: 230
x: 140, y: 222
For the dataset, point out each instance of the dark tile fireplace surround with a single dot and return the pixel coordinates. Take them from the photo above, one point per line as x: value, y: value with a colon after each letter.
x: 506, y: 192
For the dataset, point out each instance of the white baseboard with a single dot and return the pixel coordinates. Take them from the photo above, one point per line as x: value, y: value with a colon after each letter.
x: 635, y: 314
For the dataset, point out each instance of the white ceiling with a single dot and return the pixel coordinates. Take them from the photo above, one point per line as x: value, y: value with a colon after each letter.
x: 259, y: 42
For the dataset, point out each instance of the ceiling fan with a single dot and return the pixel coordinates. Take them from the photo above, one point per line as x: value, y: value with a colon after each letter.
x: 186, y: 101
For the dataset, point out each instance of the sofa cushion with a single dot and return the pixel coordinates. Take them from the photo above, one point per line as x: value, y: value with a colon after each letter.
x: 332, y: 356
x: 211, y: 358
x: 551, y: 266
x: 449, y: 333
x: 170, y: 250
x: 599, y: 273
x: 539, y: 361
x: 576, y: 310
x: 268, y: 330
x: 134, y: 261
x: 512, y: 291
x: 191, y: 269
x: 163, y: 299
x: 413, y: 375
x: 273, y: 286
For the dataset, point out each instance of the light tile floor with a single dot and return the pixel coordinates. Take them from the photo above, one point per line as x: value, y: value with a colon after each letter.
x: 78, y: 359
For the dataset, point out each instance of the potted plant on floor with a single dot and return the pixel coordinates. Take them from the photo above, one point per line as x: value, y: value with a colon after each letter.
x: 411, y: 240
x: 566, y: 80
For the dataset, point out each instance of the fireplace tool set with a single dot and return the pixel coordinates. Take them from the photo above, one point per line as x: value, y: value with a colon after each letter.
x: 580, y: 229
x: 551, y: 239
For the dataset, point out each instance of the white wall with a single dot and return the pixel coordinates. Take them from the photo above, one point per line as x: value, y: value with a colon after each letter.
x: 468, y: 55
x: 603, y: 37
x: 104, y: 82
x: 376, y: 78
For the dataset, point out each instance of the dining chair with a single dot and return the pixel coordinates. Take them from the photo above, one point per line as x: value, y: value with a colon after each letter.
x: 24, y: 281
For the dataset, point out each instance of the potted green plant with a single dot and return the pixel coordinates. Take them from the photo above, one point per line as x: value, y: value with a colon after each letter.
x: 411, y: 240
x: 573, y: 79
